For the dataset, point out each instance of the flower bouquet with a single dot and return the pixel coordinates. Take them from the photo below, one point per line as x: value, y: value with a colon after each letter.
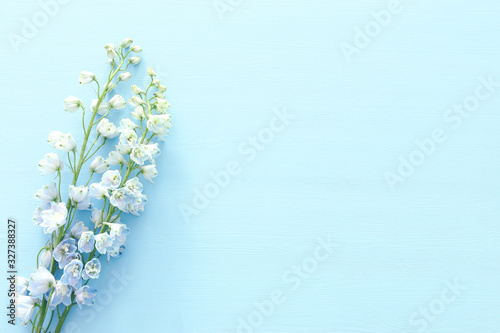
x: 75, y: 249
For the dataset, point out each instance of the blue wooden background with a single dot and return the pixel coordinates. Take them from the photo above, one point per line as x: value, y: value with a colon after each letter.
x: 389, y: 155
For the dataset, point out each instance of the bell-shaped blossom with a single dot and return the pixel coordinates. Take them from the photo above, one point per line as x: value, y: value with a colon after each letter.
x: 128, y: 138
x: 110, y: 50
x: 72, y: 103
x: 62, y: 141
x: 159, y: 124
x: 111, y: 179
x: 121, y: 198
x: 102, y: 109
x: 78, y: 193
x: 124, y: 76
x: 115, y: 251
x: 118, y: 231
x: 116, y: 158
x: 64, y: 251
x: 37, y: 214
x: 149, y: 172
x: 78, y: 229
x: 107, y: 129
x: 85, y: 296
x: 99, y: 165
x: 138, y: 113
x: 86, y: 77
x: 103, y: 242
x: 98, y: 191
x: 61, y: 294
x: 25, y: 307
x: 41, y: 282
x: 123, y: 149
x: 54, y: 217
x: 139, y: 154
x: 86, y: 242
x: 50, y: 164
x: 92, y: 269
x: 47, y: 193
x: 136, y: 101
x: 96, y: 217
x: 72, y: 273
x: 117, y: 102
x: 151, y: 72
x: 136, y: 90
x: 162, y: 105
x: 22, y: 284
x: 46, y: 258
x: 127, y: 124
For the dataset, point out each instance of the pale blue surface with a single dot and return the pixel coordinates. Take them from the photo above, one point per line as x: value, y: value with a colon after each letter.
x: 323, y: 175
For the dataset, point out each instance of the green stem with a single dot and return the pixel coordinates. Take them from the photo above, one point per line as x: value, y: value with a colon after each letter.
x: 62, y: 319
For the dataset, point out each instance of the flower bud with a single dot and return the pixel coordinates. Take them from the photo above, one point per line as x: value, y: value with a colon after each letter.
x: 124, y: 76
x: 136, y: 49
x: 86, y: 77
x: 136, y: 101
x: 134, y: 60
x: 46, y: 258
x: 98, y: 165
x: 110, y: 49
x: 71, y: 104
x: 136, y: 90
x: 126, y: 42
x: 151, y: 72
x: 117, y: 102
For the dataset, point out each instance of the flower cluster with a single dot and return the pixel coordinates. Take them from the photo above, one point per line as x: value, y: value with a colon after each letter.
x: 76, y: 248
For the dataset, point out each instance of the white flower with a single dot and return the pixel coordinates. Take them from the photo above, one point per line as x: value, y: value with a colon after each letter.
x: 97, y: 191
x: 107, y: 129
x: 41, y: 282
x: 96, y: 217
x: 61, y: 141
x: 117, y: 102
x: 46, y: 258
x: 78, y: 229
x: 149, y: 172
x: 86, y: 77
x: 139, y: 154
x: 127, y: 124
x: 138, y: 113
x: 116, y: 158
x: 128, y: 138
x: 111, y: 179
x: 159, y: 94
x: 136, y: 101
x: 159, y: 124
x: 103, y: 242
x: 151, y: 72
x: 54, y: 217
x: 78, y: 193
x: 123, y: 149
x: 152, y: 150
x: 136, y: 90
x: 126, y: 42
x: 22, y: 284
x: 98, y: 165
x: 25, y: 307
x: 162, y: 105
x: 124, y: 76
x: 161, y: 87
x: 71, y: 103
x: 50, y: 164
x: 47, y: 193
x: 134, y: 60
x: 110, y: 50
x: 136, y: 49
x: 103, y: 107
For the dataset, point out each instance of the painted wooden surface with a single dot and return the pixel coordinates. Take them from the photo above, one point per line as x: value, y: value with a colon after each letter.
x: 422, y: 257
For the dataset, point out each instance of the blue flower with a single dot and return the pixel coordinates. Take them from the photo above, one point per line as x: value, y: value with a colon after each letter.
x: 64, y: 251
x: 62, y: 293
x: 86, y: 242
x: 85, y: 296
x: 118, y: 231
x: 72, y: 273
x: 92, y: 269
x: 78, y: 229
